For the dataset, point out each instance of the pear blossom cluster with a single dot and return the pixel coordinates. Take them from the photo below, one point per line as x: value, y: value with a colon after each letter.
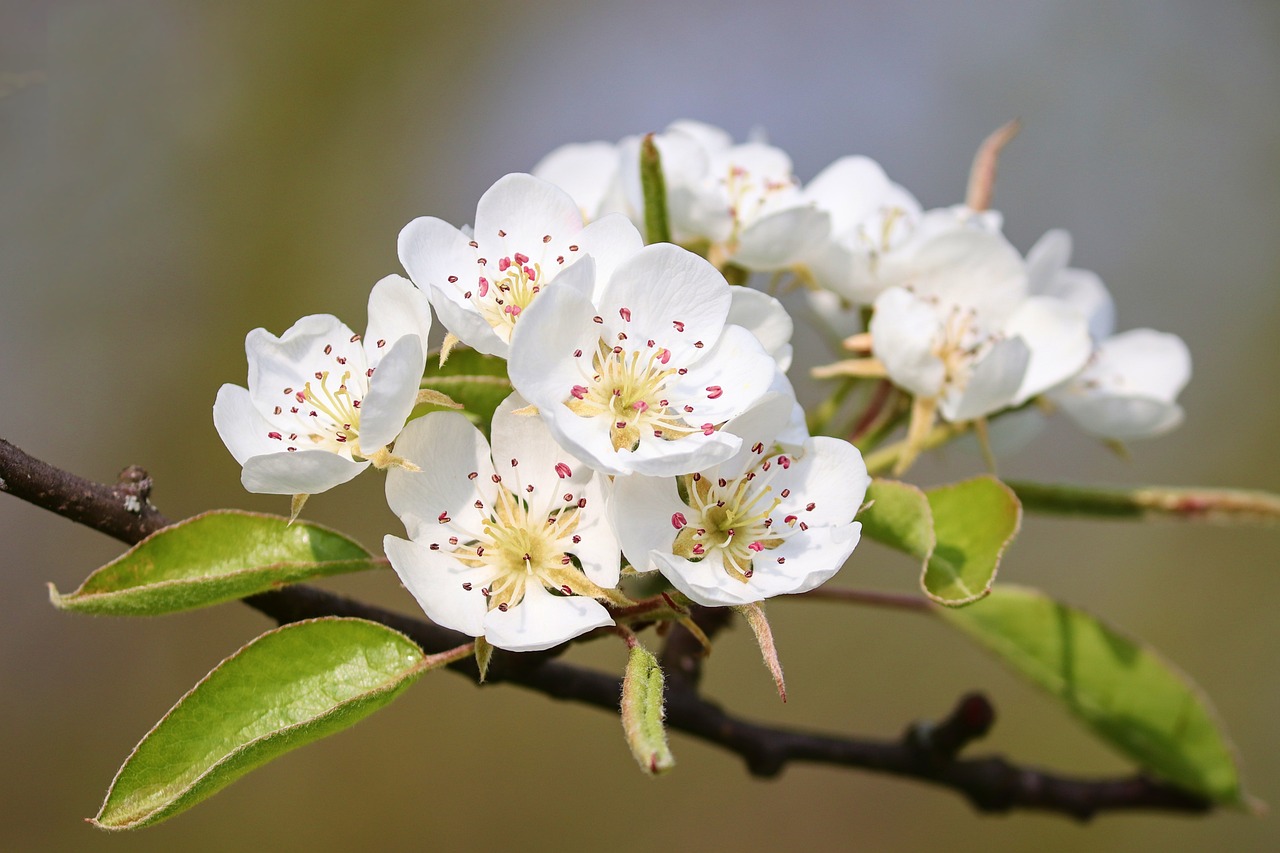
x: 959, y: 320
x: 651, y: 425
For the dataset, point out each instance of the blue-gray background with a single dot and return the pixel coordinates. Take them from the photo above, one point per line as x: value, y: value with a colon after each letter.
x: 186, y: 172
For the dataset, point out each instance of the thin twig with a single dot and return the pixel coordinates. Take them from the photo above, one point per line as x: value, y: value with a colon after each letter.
x: 925, y: 753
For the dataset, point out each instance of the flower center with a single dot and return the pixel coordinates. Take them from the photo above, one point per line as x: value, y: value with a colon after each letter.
x: 519, y: 548
x: 503, y: 300
x: 325, y: 412
x: 748, y: 196
x: 961, y: 344
x: 733, y: 517
x: 628, y: 386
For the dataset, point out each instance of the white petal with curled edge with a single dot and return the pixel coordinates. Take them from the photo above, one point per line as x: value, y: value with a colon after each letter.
x: 449, y: 450
x: 436, y: 580
x: 903, y: 331
x: 992, y: 385
x: 964, y: 267
x: 241, y: 425
x: 306, y: 472
x: 393, y: 389
x: 812, y: 557
x: 431, y: 250
x: 542, y: 620
x: 526, y: 209
x: 1058, y: 340
x: 290, y: 360
x: 396, y: 308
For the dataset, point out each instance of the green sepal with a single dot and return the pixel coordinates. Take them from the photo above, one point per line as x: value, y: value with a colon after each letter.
x: 210, y: 558
x: 642, y: 712
x: 653, y: 184
x: 1121, y: 689
x: 290, y: 686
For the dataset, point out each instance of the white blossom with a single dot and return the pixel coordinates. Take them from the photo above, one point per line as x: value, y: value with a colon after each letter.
x: 512, y: 543
x: 323, y: 403
x: 762, y: 523
x: 638, y: 371
x: 527, y: 231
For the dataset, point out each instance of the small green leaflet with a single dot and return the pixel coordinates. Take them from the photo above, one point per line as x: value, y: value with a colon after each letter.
x: 287, y: 688
x: 1122, y: 690
x: 211, y: 558
x: 958, y: 531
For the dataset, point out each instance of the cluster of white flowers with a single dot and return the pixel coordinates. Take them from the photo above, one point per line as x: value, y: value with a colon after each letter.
x: 652, y: 426
x: 960, y: 320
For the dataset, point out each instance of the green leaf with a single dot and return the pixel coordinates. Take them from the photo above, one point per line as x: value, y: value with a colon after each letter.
x: 1122, y: 690
x: 211, y: 558
x: 899, y: 516
x: 478, y: 381
x: 653, y: 184
x: 974, y: 521
x: 287, y: 688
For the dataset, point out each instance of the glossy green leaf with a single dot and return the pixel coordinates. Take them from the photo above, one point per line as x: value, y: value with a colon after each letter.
x: 210, y: 558
x: 478, y: 381
x: 287, y: 688
x: 899, y: 516
x: 1121, y: 689
x: 974, y: 521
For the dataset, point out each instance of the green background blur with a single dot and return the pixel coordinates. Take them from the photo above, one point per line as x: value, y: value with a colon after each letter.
x: 186, y: 172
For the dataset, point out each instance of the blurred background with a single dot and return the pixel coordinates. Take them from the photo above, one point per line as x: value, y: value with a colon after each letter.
x: 172, y: 175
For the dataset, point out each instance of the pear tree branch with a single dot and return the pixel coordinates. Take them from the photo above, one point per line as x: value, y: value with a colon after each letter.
x: 926, y: 752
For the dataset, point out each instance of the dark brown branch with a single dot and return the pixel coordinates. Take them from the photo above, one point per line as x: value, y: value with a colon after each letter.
x: 926, y: 753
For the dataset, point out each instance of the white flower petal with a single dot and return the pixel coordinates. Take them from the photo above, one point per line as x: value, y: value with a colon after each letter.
x: 527, y: 209
x: 598, y: 552
x: 904, y: 330
x: 436, y: 579
x: 610, y: 240
x: 777, y: 240
x: 671, y: 295
x: 1058, y: 340
x: 992, y: 384
x: 306, y: 472
x: 393, y: 389
x: 543, y: 620
x: 290, y: 360
x: 536, y: 459
x: 645, y: 512
x: 589, y: 172
x: 241, y: 425
x: 396, y: 309
x: 733, y: 374
x: 827, y: 484
x: 763, y: 316
x: 449, y: 450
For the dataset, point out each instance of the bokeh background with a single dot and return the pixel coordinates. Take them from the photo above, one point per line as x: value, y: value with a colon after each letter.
x: 172, y: 175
